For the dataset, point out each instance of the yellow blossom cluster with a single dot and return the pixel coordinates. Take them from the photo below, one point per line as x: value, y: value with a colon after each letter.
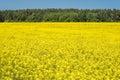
x: 60, y: 51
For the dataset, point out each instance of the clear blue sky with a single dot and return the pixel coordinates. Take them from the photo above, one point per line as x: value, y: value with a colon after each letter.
x: 80, y: 4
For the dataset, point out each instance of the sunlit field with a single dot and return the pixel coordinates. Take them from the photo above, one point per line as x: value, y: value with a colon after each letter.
x: 59, y: 51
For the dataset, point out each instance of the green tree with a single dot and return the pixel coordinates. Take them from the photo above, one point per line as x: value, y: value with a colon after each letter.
x: 91, y: 17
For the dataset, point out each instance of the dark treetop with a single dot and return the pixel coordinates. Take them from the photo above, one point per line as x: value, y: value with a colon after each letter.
x: 60, y: 15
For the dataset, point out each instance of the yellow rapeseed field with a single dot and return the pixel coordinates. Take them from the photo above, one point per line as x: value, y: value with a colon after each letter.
x: 59, y: 51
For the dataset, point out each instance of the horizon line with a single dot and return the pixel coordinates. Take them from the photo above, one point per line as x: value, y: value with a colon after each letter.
x: 64, y: 8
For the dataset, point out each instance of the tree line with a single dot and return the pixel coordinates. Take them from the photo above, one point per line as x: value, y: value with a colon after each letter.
x: 60, y: 15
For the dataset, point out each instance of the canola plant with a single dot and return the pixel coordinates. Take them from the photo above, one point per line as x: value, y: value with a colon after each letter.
x: 59, y: 51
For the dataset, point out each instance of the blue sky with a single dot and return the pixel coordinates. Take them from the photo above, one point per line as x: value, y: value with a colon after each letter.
x: 80, y: 4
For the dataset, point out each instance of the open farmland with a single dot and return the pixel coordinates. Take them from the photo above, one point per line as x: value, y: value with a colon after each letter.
x: 59, y: 51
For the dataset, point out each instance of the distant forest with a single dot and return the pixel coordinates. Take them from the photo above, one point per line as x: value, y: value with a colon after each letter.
x: 60, y: 15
